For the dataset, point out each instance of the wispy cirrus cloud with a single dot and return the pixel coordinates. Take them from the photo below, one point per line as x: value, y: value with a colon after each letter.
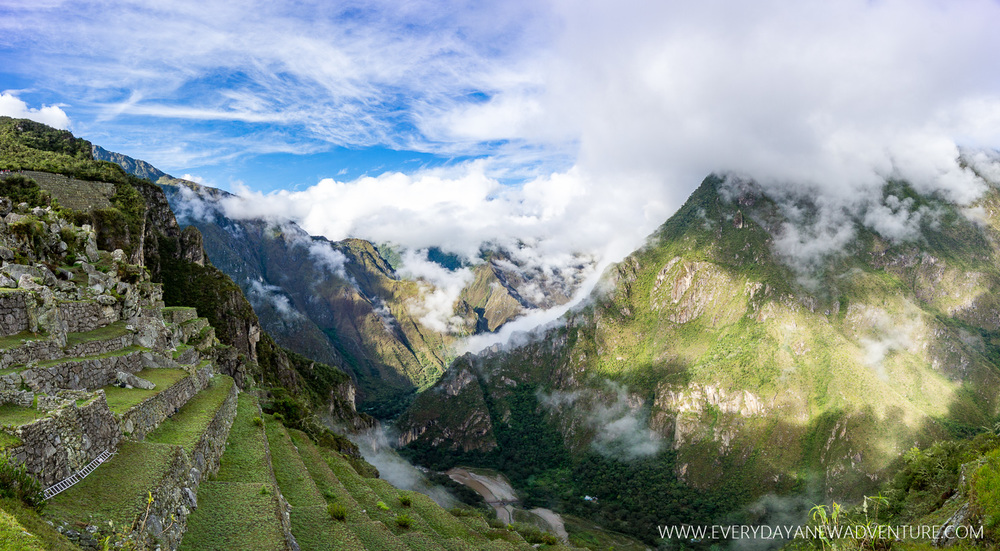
x: 605, y: 114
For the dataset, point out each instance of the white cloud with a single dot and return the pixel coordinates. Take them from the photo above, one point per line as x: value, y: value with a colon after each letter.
x: 620, y: 428
x: 328, y: 257
x: 609, y: 113
x: 261, y: 293
x: 436, y: 306
x: 52, y: 115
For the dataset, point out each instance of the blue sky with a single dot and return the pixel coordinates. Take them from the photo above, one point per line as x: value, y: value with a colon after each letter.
x: 277, y: 94
x: 576, y: 126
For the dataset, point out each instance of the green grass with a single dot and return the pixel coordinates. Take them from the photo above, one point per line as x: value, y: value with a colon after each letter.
x: 14, y: 415
x: 13, y: 341
x: 8, y: 440
x: 121, y: 400
x: 233, y: 515
x: 244, y: 459
x: 327, y: 483
x: 233, y: 512
x: 118, y: 489
x: 187, y: 425
x: 47, y: 537
x: 181, y: 349
x: 315, y: 530
x: 375, y: 535
x: 14, y: 536
x: 293, y: 477
x: 986, y: 492
x: 116, y: 329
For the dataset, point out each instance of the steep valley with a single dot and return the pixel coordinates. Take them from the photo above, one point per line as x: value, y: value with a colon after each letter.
x: 142, y: 405
x: 711, y: 367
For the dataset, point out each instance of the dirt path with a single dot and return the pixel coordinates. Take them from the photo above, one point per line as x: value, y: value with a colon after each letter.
x: 555, y: 521
x: 496, y: 491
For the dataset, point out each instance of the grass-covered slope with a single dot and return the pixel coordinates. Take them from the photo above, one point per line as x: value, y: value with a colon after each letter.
x: 238, y: 508
x: 335, y: 508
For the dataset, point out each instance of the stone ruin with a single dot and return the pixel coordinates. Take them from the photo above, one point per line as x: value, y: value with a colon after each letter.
x: 74, y: 321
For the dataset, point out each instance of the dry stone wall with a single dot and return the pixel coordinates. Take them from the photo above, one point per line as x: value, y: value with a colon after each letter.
x: 83, y: 316
x: 30, y: 351
x: 13, y: 312
x: 81, y: 374
x: 59, y: 445
x: 141, y: 419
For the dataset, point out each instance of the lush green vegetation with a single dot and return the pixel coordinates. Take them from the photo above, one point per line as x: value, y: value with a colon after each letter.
x: 233, y: 515
x: 118, y: 489
x: 17, y: 483
x: 188, y: 425
x: 244, y: 459
x: 12, y: 415
x: 633, y: 496
x: 293, y: 478
x: 28, y: 520
x: 21, y: 189
x: 238, y: 507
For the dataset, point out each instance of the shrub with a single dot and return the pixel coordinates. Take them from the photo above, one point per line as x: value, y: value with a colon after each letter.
x: 263, y: 491
x: 405, y: 500
x: 16, y: 482
x: 404, y: 521
x: 258, y: 421
x: 279, y: 417
x: 381, y: 505
x: 337, y: 511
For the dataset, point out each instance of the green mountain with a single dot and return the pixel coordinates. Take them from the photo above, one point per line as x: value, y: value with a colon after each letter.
x: 137, y: 387
x: 343, y: 303
x: 713, y: 366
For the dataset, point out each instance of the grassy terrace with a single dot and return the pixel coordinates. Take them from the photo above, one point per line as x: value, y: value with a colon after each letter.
x: 312, y: 526
x: 293, y: 477
x: 118, y: 489
x: 13, y: 341
x: 315, y: 530
x: 186, y: 427
x: 121, y: 400
x: 244, y: 459
x: 237, y: 510
x: 234, y: 515
x: 14, y: 415
x: 116, y: 329
x: 14, y: 536
x: 30, y: 525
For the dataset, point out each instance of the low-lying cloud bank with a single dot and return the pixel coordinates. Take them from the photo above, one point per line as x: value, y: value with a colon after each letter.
x: 620, y: 425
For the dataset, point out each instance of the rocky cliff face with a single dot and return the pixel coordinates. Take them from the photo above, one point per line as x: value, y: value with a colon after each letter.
x: 752, y: 368
x: 338, y: 303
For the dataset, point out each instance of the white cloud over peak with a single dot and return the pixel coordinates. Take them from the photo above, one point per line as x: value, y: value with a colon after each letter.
x: 52, y: 115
